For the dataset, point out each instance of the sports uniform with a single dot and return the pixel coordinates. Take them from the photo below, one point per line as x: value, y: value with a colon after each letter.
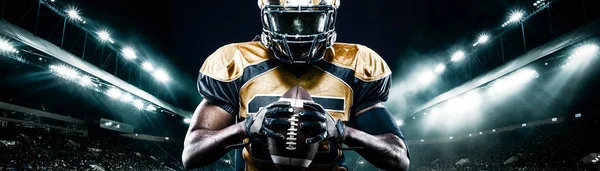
x: 241, y: 78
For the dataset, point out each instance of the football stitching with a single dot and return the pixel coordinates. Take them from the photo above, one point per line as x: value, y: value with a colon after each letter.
x: 292, y: 132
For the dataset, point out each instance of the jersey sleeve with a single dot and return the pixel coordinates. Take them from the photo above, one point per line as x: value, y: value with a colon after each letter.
x: 222, y: 94
x: 218, y: 80
x: 373, y: 80
x: 371, y: 93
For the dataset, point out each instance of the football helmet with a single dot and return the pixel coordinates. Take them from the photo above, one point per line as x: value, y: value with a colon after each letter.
x: 298, y: 31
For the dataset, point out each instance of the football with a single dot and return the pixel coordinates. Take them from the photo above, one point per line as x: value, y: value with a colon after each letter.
x: 293, y: 153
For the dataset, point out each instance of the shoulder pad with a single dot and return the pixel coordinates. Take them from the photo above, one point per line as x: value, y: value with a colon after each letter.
x: 366, y: 63
x: 228, y: 62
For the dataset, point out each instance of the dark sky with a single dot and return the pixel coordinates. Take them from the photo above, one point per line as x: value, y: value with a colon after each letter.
x: 409, y: 35
x: 186, y: 32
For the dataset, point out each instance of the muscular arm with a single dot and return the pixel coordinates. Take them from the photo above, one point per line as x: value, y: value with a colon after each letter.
x: 386, y: 151
x: 210, y: 131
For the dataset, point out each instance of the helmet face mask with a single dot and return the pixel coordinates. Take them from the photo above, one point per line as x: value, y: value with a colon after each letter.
x: 298, y: 34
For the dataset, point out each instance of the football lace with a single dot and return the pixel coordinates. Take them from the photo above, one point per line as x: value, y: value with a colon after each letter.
x: 292, y: 132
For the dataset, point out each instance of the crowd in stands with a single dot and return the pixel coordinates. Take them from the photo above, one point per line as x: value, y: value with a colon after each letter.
x: 556, y: 146
x: 44, y: 149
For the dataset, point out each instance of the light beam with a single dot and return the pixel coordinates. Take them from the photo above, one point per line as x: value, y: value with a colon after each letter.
x: 147, y: 66
x: 439, y: 68
x: 458, y: 56
x: 128, y: 53
x: 161, y: 75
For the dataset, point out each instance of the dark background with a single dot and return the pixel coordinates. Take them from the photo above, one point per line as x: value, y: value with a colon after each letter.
x: 179, y: 35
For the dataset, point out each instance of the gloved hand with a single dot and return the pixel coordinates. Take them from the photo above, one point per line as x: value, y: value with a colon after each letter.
x: 267, y: 118
x: 320, y: 121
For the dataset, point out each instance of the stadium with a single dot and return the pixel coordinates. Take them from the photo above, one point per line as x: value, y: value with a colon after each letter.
x: 477, y: 85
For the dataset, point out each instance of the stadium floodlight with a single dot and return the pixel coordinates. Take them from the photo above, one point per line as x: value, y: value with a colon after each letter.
x: 64, y: 71
x: 439, y: 68
x: 138, y: 104
x: 524, y: 75
x: 147, y: 66
x: 166, y: 138
x: 523, y: 125
x: 399, y: 122
x: 161, y: 75
x: 128, y: 53
x: 187, y: 120
x: 514, y: 17
x: 126, y: 97
x: 85, y: 80
x: 554, y: 119
x: 422, y: 140
x: 539, y: 3
x: 514, y: 80
x: 458, y: 56
x: 483, y: 39
x: 73, y: 14
x: 581, y: 54
x: 451, y: 137
x: 493, y: 130
x: 427, y: 77
x: 114, y: 93
x: 6, y: 46
x: 586, y: 51
x: 151, y: 108
x: 105, y: 36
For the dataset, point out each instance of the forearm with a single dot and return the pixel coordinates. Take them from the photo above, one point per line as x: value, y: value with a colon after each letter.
x: 203, y: 146
x: 386, y: 151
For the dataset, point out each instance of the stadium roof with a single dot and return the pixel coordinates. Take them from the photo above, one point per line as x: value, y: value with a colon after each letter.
x: 557, y: 44
x: 42, y: 45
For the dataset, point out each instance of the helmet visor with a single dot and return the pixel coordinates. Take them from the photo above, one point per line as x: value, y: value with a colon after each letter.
x: 298, y: 23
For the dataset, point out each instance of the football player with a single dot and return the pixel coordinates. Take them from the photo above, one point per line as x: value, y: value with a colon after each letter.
x: 242, y: 82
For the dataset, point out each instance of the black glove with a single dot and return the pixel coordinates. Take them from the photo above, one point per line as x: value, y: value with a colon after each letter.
x: 317, y: 120
x: 267, y: 118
